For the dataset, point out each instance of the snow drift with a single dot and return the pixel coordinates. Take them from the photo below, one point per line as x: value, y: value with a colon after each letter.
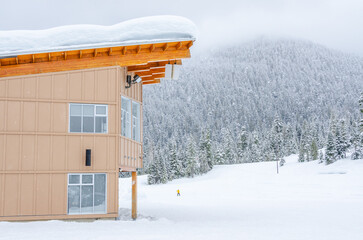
x: 65, y: 38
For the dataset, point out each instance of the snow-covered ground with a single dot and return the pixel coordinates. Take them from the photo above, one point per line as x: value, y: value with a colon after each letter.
x: 248, y: 201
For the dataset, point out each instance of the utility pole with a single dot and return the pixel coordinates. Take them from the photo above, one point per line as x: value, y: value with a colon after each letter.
x: 277, y: 165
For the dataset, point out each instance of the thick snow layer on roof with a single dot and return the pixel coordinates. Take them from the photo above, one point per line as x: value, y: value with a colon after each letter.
x: 145, y: 30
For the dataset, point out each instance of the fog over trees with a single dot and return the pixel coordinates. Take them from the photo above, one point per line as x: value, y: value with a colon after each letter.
x: 257, y: 101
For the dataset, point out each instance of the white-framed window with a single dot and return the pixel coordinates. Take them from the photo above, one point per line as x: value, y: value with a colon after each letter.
x: 130, y: 119
x: 88, y: 118
x: 136, y: 121
x: 87, y: 193
x: 125, y: 117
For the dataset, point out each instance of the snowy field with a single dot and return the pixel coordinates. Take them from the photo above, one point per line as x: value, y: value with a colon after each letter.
x: 249, y: 201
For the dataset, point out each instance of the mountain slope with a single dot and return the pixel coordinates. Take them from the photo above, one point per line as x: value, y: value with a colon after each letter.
x: 248, y: 85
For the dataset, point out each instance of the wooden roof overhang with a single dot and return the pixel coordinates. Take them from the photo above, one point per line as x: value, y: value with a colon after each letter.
x: 145, y: 60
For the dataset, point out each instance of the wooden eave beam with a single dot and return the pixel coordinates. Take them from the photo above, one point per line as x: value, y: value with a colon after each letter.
x: 152, y: 65
x: 129, y: 59
x: 155, y: 81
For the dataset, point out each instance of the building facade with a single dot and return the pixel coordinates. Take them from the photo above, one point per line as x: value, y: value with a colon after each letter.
x: 69, y: 123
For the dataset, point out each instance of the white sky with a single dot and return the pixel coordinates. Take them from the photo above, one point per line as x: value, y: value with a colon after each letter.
x: 334, y: 23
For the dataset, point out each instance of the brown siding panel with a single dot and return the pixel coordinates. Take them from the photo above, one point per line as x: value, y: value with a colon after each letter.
x: 26, y: 196
x: 13, y: 116
x: 45, y: 87
x: 14, y: 88
x: 12, y: 152
x: 44, y: 116
x: 60, y: 86
x: 11, y: 195
x: 42, y: 194
x: 75, y: 86
x: 29, y: 116
x: 27, y: 153
x: 58, y: 194
x: 43, y: 150
x: 58, y: 153
x: 37, y: 148
x: 30, y: 88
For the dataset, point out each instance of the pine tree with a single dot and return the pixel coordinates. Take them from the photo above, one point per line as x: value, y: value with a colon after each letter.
x: 358, y: 135
x: 255, y: 149
x: 229, y: 154
x: 175, y: 164
x: 191, y: 168
x: 219, y: 156
x: 242, y: 145
x: 314, y: 150
x: 321, y: 156
x: 331, y: 151
x: 206, y: 155
x: 276, y: 140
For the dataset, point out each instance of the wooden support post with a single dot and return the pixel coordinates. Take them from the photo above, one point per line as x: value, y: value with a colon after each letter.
x: 134, y: 195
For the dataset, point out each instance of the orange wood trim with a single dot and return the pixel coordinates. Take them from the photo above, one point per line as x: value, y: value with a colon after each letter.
x: 151, y: 82
x: 84, y: 63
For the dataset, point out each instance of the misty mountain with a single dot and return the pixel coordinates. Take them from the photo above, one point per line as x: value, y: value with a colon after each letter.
x: 249, y: 85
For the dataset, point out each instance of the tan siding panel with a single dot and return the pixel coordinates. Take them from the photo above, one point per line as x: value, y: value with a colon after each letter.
x: 59, y: 182
x: 2, y: 149
x: 112, y: 153
x: 102, y: 85
x: 27, y: 158
x: 29, y: 116
x: 44, y: 114
x: 75, y: 86
x: 26, y: 196
x: 100, y: 153
x: 112, y: 85
x: 2, y: 190
x: 30, y: 87
x: 3, y: 88
x: 14, y: 88
x: 43, y: 149
x: 88, y: 85
x: 13, y: 116
x: 112, y: 119
x: 2, y: 115
x: 11, y: 195
x: 60, y: 120
x: 12, y: 152
x: 42, y: 194
x: 74, y: 153
x: 111, y: 181
x: 45, y: 87
x: 60, y: 86
x: 58, y: 153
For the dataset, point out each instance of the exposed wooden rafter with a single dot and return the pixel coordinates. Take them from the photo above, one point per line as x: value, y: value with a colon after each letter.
x: 148, y: 61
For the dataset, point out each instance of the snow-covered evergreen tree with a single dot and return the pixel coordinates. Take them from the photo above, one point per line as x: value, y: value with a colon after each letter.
x: 331, y: 151
x: 242, y: 145
x: 192, y: 166
x: 358, y: 133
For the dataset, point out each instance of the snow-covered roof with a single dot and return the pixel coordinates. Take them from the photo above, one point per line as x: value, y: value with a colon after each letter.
x: 146, y: 30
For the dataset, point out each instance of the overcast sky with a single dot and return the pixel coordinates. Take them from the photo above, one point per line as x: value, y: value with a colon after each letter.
x: 337, y: 24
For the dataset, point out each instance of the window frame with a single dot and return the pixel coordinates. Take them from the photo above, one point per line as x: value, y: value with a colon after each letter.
x: 80, y: 184
x: 132, y: 122
x: 131, y: 116
x: 95, y: 115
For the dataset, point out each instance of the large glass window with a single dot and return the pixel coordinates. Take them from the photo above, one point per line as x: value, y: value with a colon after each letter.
x: 125, y: 117
x: 136, y: 121
x: 86, y: 193
x: 87, y: 118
